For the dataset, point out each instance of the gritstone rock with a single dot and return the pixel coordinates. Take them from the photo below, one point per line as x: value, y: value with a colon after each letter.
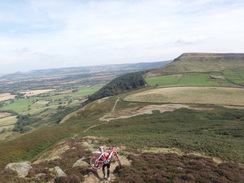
x: 80, y: 162
x: 22, y: 168
x: 59, y: 172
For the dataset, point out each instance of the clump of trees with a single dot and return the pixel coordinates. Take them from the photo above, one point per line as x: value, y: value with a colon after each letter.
x: 19, y: 95
x: 119, y: 85
x: 23, y: 122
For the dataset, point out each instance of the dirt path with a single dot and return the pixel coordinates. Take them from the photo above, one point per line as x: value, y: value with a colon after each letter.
x: 115, y: 104
x: 113, y: 165
x: 89, y: 143
x: 124, y: 114
x: 113, y: 109
x: 90, y: 128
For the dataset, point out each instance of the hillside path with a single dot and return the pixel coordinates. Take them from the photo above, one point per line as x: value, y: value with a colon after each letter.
x: 115, y: 104
x: 112, y: 110
x: 123, y: 159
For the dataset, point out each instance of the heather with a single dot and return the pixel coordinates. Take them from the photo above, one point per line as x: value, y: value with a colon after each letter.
x: 155, y: 168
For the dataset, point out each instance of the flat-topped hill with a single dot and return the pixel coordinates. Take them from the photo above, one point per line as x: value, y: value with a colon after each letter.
x: 201, y: 62
x: 210, y: 56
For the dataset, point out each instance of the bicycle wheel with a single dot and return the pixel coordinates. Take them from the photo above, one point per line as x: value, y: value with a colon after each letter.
x: 95, y: 162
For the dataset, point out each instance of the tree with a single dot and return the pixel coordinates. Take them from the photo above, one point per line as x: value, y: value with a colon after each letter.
x: 120, y: 84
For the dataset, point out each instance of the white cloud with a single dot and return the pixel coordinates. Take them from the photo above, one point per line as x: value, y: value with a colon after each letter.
x: 73, y: 33
x: 191, y: 40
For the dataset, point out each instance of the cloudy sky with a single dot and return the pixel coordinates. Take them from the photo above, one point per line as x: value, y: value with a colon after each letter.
x: 40, y: 34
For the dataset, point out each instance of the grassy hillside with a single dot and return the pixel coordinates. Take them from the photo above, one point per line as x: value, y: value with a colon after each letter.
x: 200, y: 62
x: 200, y: 69
x: 216, y: 132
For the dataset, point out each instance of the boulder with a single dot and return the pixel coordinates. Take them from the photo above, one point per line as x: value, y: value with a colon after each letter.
x: 80, y: 162
x: 85, y: 144
x: 59, y: 172
x: 21, y: 168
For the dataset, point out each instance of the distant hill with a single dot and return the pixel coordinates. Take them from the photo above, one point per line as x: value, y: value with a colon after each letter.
x: 200, y: 62
x: 121, y: 68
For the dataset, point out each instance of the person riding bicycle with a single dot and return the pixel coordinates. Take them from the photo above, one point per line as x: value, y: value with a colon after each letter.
x: 106, y: 163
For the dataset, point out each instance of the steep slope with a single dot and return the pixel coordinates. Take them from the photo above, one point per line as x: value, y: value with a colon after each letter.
x: 200, y: 62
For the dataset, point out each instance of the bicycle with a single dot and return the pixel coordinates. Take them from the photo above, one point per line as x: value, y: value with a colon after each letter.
x: 98, y: 160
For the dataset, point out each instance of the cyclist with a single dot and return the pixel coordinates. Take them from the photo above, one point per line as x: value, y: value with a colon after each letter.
x: 106, y: 164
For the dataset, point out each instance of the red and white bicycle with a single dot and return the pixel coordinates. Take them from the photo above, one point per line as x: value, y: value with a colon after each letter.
x: 98, y: 160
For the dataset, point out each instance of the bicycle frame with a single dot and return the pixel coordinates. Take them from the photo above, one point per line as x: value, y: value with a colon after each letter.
x: 99, y: 159
x: 111, y: 152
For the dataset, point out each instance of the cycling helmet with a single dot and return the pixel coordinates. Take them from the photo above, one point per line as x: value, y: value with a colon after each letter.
x: 101, y: 148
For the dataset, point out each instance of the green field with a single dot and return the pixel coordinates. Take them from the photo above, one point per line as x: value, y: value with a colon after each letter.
x: 235, y: 75
x: 45, y: 107
x: 197, y: 79
x: 21, y: 105
x: 164, y: 80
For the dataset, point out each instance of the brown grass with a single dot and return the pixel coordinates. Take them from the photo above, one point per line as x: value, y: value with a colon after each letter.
x: 4, y: 114
x: 8, y: 120
x: 65, y: 92
x: 199, y: 95
x: 6, y: 96
x: 35, y: 92
x: 4, y: 135
x: 7, y: 127
x: 42, y: 102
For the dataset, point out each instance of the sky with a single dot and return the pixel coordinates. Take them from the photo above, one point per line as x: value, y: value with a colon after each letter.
x: 43, y: 34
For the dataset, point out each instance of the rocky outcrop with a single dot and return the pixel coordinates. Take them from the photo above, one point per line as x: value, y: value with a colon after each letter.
x: 72, y: 165
x: 21, y: 168
x: 80, y: 163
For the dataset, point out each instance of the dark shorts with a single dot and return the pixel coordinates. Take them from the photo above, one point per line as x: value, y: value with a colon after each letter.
x: 106, y: 165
